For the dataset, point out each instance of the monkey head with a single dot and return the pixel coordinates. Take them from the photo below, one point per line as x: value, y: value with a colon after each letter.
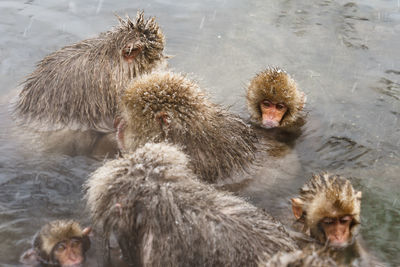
x: 60, y: 243
x: 168, y: 107
x: 140, y: 42
x: 273, y: 99
x: 329, y: 207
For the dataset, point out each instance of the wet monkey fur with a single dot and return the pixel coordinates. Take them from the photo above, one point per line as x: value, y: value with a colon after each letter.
x: 78, y: 86
x: 329, y: 209
x: 274, y: 99
x: 60, y: 243
x: 169, y: 107
x: 162, y: 215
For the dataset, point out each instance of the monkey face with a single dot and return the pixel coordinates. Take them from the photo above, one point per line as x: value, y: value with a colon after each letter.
x: 69, y: 253
x: 131, y: 51
x: 337, y: 230
x: 272, y: 113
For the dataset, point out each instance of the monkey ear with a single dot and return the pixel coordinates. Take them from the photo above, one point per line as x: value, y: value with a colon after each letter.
x: 87, y: 231
x: 359, y: 195
x: 297, y: 207
x: 30, y: 257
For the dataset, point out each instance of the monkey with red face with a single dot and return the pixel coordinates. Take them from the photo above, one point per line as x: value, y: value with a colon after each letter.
x: 60, y: 243
x: 329, y: 210
x: 274, y: 100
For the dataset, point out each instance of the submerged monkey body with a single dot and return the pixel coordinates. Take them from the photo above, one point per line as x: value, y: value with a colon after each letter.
x: 78, y: 86
x: 162, y: 215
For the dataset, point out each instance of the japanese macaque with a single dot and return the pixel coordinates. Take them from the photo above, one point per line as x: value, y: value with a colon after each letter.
x: 165, y: 106
x: 60, y: 243
x: 163, y: 216
x: 274, y: 100
x: 329, y: 210
x: 74, y: 92
x: 77, y: 87
x: 329, y: 207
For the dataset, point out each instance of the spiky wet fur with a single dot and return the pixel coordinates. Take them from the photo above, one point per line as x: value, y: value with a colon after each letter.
x: 326, y: 195
x: 277, y: 86
x: 56, y: 231
x: 307, y: 257
x: 169, y: 218
x: 216, y: 141
x: 77, y: 87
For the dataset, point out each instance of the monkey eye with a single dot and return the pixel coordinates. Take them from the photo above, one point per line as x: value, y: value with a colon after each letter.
x: 328, y: 221
x: 75, y: 243
x: 280, y: 106
x: 61, y: 247
x: 130, y: 51
x: 266, y: 103
x: 345, y: 219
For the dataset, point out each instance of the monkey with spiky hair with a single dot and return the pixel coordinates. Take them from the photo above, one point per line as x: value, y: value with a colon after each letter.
x: 60, y: 243
x: 166, y: 106
x: 163, y: 216
x: 74, y: 92
x: 274, y: 100
x: 77, y: 87
x: 329, y: 210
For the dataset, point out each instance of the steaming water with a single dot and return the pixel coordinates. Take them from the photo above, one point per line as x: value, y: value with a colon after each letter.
x: 344, y: 55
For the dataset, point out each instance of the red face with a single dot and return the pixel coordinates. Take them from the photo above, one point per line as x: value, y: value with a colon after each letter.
x: 337, y: 230
x: 130, y: 52
x: 70, y: 253
x: 272, y: 113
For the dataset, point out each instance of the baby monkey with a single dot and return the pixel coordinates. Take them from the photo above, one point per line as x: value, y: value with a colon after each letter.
x: 274, y: 100
x: 59, y: 243
x: 329, y: 209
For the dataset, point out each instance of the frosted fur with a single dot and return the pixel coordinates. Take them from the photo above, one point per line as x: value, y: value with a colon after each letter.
x: 57, y: 231
x: 78, y: 86
x: 216, y: 141
x: 329, y: 195
x: 277, y: 86
x: 169, y: 218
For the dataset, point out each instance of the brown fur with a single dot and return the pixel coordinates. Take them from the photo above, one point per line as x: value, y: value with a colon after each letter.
x: 329, y: 195
x: 307, y: 257
x: 77, y: 87
x: 49, y: 236
x: 277, y: 86
x: 216, y: 141
x: 166, y: 217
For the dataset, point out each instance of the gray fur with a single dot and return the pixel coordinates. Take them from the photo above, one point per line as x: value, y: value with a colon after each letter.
x: 216, y: 141
x: 169, y: 218
x: 77, y: 87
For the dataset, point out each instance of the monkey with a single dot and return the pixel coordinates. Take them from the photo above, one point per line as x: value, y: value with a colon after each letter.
x: 166, y: 106
x: 163, y: 215
x: 329, y: 210
x: 275, y: 101
x: 59, y: 243
x: 76, y: 89
x: 78, y: 86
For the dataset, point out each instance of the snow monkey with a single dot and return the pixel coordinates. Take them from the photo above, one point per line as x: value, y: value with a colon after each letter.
x: 162, y: 215
x: 60, y: 243
x: 274, y: 100
x: 77, y: 87
x: 166, y: 106
x: 329, y: 209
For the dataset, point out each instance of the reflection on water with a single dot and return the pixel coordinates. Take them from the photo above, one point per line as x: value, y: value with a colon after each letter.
x: 343, y: 54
